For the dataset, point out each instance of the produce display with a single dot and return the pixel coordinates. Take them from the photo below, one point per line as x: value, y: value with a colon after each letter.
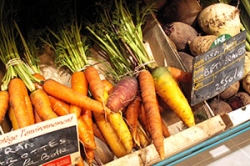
x: 116, y: 89
x: 214, y: 19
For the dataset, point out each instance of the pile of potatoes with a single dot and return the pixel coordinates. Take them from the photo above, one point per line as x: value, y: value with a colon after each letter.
x: 192, y: 38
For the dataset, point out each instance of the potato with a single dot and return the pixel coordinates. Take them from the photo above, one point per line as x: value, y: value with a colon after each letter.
x: 240, y: 99
x: 246, y: 83
x: 219, y: 107
x: 230, y: 91
x: 201, y: 44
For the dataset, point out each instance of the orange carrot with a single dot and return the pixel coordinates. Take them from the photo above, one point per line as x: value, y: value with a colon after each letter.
x: 79, y: 84
x: 4, y: 98
x: 13, y: 119
x: 81, y: 162
x: 116, y: 120
x: 180, y: 75
x: 87, y: 117
x: 85, y: 137
x: 40, y: 77
x: 58, y: 106
x: 67, y: 94
x: 30, y: 110
x: 131, y: 115
x: 18, y: 93
x: 153, y: 116
x: 42, y: 105
x: 90, y: 155
x: 165, y: 130
x: 37, y: 117
x: 142, y: 118
x: 95, y: 85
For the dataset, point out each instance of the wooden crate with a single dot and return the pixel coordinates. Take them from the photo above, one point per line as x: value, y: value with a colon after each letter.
x: 181, y: 137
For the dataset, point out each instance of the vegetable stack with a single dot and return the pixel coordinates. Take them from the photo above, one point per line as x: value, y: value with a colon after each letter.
x: 114, y: 96
x: 120, y: 36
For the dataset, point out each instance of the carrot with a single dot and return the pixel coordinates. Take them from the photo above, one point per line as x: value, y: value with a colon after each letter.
x: 42, y: 105
x: 84, y: 135
x: 165, y: 130
x: 144, y: 140
x: 37, y: 117
x: 153, y: 116
x: 58, y: 106
x: 170, y: 92
x: 95, y: 85
x: 87, y: 117
x: 90, y: 155
x: 67, y: 94
x: 131, y: 115
x: 79, y: 84
x: 180, y: 75
x: 110, y: 135
x: 108, y: 86
x: 13, y: 119
x: 122, y: 94
x: 4, y: 98
x: 30, y: 110
x: 122, y: 130
x: 18, y: 101
x: 116, y: 121
x: 81, y: 162
x: 40, y: 77
x: 142, y: 118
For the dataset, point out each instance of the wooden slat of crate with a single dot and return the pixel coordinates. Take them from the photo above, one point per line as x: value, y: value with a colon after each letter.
x: 237, y: 116
x: 173, y: 144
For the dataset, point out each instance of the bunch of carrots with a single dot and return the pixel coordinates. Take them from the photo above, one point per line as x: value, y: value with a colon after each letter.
x: 120, y: 108
x: 138, y: 80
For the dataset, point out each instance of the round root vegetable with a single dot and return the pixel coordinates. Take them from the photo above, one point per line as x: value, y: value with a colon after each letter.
x: 246, y: 78
x: 246, y: 83
x: 239, y: 100
x: 219, y: 107
x: 220, y: 18
x: 180, y: 33
x: 247, y: 64
x: 122, y: 94
x: 201, y: 44
x: 187, y: 60
x: 168, y: 89
x: 230, y: 91
x: 182, y: 10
